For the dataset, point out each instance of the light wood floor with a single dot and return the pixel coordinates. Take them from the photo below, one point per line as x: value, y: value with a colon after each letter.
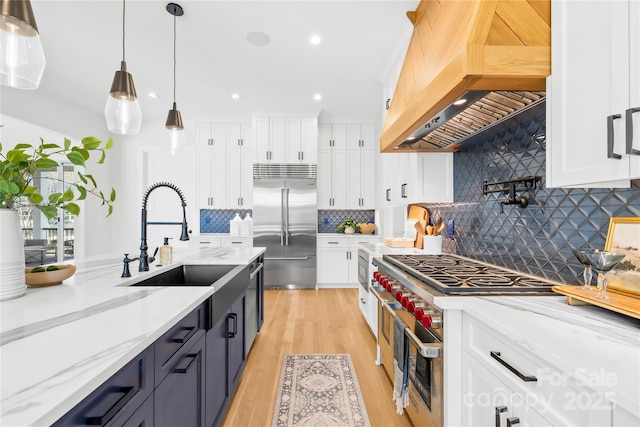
x: 304, y: 322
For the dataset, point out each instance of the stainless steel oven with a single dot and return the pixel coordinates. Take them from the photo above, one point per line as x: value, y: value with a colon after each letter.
x: 363, y: 269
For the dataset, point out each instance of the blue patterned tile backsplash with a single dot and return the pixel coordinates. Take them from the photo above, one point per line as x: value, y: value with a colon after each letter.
x: 328, y: 220
x: 217, y: 220
x: 538, y: 238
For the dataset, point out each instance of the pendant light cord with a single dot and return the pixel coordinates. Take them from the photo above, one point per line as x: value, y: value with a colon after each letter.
x: 123, y: 28
x: 174, y: 58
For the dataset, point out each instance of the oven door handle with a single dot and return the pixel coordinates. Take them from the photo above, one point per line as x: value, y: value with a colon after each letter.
x: 427, y: 350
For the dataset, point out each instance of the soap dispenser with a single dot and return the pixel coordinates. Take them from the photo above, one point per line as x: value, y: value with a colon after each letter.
x: 234, y: 225
x: 246, y: 228
x: 166, y: 252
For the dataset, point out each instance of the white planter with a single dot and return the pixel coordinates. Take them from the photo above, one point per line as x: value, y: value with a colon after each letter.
x: 12, y: 283
x: 349, y: 230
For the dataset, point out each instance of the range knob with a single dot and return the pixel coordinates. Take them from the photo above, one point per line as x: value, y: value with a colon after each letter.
x: 418, y: 313
x: 427, y: 321
x: 376, y: 276
x: 411, y: 306
x: 399, y: 295
x: 404, y: 300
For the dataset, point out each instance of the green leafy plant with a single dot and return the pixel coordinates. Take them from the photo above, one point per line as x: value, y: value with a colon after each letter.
x: 349, y: 222
x: 19, y: 165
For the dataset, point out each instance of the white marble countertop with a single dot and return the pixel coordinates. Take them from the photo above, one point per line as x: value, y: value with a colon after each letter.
x: 596, y: 347
x: 58, y: 344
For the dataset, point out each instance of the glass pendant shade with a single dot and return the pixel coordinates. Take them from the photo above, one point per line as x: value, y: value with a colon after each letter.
x: 22, y: 60
x: 123, y: 109
x: 177, y: 139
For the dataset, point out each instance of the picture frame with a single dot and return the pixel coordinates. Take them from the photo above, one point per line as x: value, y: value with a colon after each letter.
x: 623, y: 236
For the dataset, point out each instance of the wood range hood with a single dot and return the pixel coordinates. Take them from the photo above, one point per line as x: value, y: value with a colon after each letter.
x: 496, y: 54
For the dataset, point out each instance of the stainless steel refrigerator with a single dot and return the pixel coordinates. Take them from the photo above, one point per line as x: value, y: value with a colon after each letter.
x: 285, y: 222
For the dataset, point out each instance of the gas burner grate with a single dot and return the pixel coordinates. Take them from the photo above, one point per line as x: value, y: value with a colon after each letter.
x: 452, y: 274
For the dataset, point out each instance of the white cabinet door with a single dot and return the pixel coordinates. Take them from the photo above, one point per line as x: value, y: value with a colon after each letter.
x: 333, y: 265
x: 262, y: 138
x: 309, y: 141
x: 211, y: 167
x: 590, y: 88
x: 368, y: 179
x: 277, y: 140
x: 293, y: 132
x: 433, y: 180
x: 211, y: 135
x: 332, y: 136
x: 325, y: 179
x: 488, y: 402
x: 361, y: 136
x: 352, y: 180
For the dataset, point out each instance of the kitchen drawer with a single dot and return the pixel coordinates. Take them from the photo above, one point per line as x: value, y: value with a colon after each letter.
x: 332, y: 242
x: 169, y: 344
x: 559, y: 396
x: 213, y: 242
x: 238, y: 241
x: 121, y: 394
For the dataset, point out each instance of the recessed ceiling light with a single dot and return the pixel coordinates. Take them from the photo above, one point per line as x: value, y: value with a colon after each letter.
x: 257, y: 38
x: 315, y: 39
x: 153, y: 95
x: 317, y: 97
x: 460, y: 101
x: 235, y: 96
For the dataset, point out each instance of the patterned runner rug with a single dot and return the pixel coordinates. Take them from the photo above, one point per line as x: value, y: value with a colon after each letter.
x: 319, y: 390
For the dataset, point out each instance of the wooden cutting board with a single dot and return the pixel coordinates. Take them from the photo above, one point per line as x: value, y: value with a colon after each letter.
x: 418, y: 212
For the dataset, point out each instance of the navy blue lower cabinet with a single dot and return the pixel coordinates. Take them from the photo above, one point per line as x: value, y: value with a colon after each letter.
x: 117, y: 398
x: 225, y: 353
x: 179, y: 399
x: 142, y: 417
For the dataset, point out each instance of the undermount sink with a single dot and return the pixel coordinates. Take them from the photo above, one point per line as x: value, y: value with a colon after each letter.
x: 188, y: 275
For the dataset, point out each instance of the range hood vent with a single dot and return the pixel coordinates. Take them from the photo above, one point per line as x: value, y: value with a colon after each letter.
x: 482, y: 110
x: 494, y: 54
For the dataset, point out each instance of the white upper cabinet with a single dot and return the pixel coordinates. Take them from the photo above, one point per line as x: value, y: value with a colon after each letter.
x: 332, y: 136
x: 593, y: 105
x: 286, y: 140
x: 361, y: 136
x: 346, y: 166
x: 224, y: 165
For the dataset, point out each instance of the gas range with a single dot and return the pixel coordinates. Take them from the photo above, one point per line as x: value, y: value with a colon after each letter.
x: 455, y: 275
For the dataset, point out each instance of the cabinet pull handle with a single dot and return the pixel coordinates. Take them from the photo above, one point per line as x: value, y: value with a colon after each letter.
x: 388, y: 195
x: 182, y: 339
x: 185, y: 369
x: 512, y: 420
x: 610, y: 153
x: 302, y: 155
x: 256, y: 271
x: 333, y: 243
x: 499, y: 410
x: 362, y: 301
x: 629, y: 125
x: 101, y: 420
x: 523, y: 377
x: 232, y: 333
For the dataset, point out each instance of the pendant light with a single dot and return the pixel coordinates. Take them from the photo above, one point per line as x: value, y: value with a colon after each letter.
x: 123, y: 109
x: 176, y: 139
x: 22, y: 59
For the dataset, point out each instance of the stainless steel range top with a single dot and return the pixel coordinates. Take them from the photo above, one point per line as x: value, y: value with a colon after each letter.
x: 456, y: 275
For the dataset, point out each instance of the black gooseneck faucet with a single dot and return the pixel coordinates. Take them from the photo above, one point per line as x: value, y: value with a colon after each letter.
x: 144, y: 256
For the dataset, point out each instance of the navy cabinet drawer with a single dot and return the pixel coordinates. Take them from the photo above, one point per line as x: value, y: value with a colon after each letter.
x: 124, y: 391
x: 169, y: 344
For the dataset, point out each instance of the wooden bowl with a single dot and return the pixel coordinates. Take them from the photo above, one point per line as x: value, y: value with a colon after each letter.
x: 367, y: 228
x: 48, y: 278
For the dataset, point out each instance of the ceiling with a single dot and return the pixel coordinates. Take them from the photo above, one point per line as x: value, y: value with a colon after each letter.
x: 82, y: 41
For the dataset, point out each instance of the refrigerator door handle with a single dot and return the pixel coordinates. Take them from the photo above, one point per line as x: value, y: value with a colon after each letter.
x: 282, y: 216
x: 286, y: 216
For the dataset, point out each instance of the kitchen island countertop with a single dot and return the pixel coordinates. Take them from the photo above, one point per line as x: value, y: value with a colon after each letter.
x: 59, y: 343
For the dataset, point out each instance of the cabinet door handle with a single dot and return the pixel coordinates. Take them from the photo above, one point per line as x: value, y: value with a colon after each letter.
x: 185, y: 333
x: 185, y: 369
x: 629, y: 125
x: 231, y: 333
x: 388, y: 195
x: 512, y: 421
x: 362, y: 301
x: 610, y: 153
x: 302, y: 155
x: 499, y: 410
x: 523, y: 377
x: 101, y: 420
